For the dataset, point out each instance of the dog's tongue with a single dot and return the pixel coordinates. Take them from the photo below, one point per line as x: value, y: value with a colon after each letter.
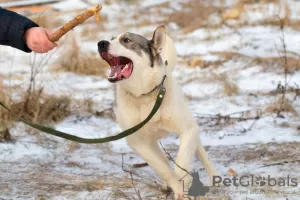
x: 126, y: 72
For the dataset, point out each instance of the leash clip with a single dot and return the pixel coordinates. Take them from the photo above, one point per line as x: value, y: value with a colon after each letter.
x: 162, y: 89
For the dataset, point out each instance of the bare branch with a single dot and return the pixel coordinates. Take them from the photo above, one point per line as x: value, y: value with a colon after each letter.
x: 280, y: 163
x: 132, y: 181
x: 140, y: 165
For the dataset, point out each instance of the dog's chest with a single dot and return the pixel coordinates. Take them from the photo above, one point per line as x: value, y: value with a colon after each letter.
x: 145, y: 110
x: 131, y: 110
x: 144, y: 105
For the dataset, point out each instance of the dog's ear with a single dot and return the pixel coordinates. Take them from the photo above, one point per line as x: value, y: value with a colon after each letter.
x: 159, y: 38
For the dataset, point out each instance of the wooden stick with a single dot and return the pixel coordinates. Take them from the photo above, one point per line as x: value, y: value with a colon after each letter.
x: 74, y: 22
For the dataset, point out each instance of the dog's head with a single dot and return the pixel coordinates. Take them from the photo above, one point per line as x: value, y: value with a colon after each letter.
x: 133, y: 58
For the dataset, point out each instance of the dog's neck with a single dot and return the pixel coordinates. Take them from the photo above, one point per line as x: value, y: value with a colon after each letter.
x: 142, y: 86
x: 137, y: 91
x: 156, y: 87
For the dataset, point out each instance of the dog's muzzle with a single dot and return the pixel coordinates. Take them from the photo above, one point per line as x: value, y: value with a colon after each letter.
x: 121, y: 67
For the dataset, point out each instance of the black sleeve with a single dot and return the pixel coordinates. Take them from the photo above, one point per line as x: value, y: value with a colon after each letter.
x: 12, y: 29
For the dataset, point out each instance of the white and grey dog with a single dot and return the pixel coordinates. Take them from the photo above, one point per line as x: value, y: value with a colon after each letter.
x: 138, y: 66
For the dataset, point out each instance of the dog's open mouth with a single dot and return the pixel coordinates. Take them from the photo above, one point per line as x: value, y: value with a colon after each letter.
x: 121, y: 67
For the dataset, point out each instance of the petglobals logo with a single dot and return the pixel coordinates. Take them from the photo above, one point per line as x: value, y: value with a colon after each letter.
x: 243, y: 185
x: 258, y: 181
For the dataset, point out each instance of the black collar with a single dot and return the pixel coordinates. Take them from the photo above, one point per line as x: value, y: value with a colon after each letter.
x: 156, y: 87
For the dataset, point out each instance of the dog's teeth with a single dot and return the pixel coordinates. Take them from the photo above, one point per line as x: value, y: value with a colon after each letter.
x: 115, y: 76
x: 126, y: 66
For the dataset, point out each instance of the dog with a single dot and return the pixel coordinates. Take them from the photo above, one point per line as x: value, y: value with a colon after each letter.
x: 138, y: 66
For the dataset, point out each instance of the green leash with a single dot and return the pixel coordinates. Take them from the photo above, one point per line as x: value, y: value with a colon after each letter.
x: 51, y: 131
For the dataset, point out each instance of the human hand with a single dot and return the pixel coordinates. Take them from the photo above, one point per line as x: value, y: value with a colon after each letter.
x: 38, y: 41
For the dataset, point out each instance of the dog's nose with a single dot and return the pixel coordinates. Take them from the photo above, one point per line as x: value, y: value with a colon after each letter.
x: 103, y: 46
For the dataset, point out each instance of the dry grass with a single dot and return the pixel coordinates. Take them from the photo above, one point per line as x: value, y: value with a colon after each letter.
x: 42, y: 108
x: 196, y: 61
x: 73, y: 146
x: 83, y: 105
x: 233, y: 13
x: 257, y: 1
x: 279, y: 105
x: 35, y: 107
x: 280, y: 6
x: 74, y: 164
x: 4, y: 118
x: 95, y: 185
x: 230, y: 88
x: 194, y: 15
x: 268, y: 63
x: 4, y: 115
x: 228, y: 55
x: 199, y: 61
x: 197, y: 14
x: 75, y: 60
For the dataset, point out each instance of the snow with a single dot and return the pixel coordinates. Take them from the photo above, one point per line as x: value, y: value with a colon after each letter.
x: 258, y: 41
x: 14, y: 152
x: 263, y: 132
x: 25, y: 3
x: 66, y: 5
x: 34, y: 164
x: 149, y: 3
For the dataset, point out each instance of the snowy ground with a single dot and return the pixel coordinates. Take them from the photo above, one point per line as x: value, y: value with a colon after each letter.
x: 244, y: 56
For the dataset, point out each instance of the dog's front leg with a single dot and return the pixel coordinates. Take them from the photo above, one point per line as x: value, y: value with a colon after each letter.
x: 148, y: 150
x: 189, y: 140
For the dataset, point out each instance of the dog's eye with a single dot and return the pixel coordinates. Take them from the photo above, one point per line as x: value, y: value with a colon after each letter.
x: 126, y: 40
